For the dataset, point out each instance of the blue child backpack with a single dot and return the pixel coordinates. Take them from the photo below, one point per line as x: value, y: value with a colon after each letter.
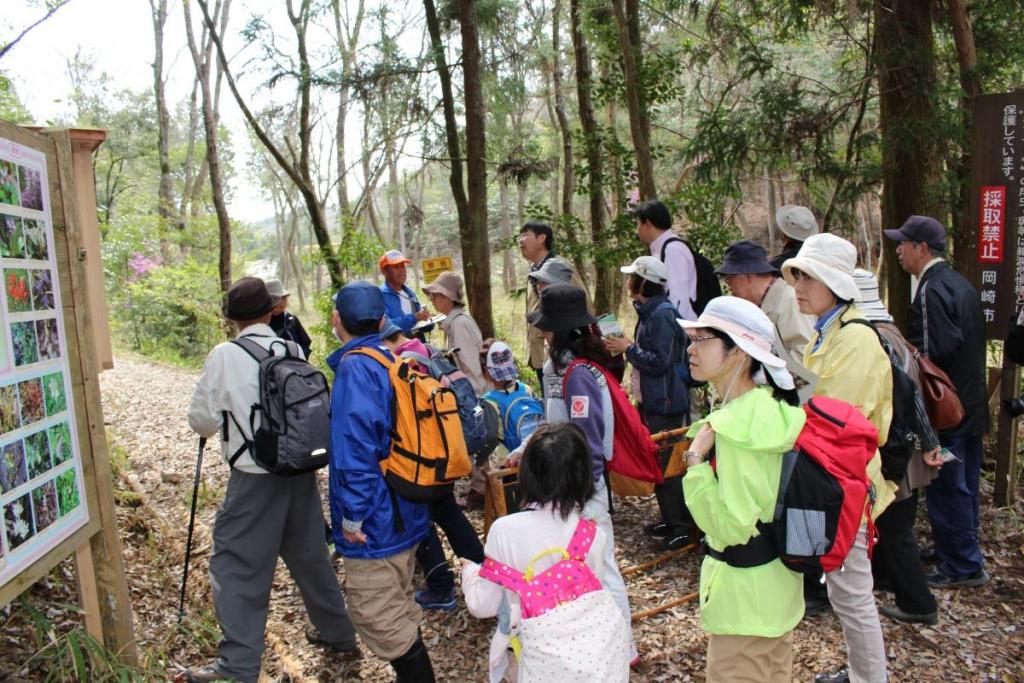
x: 521, y: 413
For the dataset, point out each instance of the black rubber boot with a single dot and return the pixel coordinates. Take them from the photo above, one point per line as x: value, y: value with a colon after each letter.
x: 414, y: 666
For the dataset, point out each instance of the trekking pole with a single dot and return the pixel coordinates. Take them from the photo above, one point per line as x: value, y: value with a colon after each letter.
x: 191, y: 527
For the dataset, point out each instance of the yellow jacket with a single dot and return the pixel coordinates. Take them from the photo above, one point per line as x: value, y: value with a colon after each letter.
x: 852, y: 366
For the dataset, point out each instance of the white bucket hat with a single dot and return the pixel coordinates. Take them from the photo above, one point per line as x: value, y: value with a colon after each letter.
x: 829, y: 259
x: 648, y: 268
x: 796, y: 221
x: 868, y: 301
x: 750, y: 329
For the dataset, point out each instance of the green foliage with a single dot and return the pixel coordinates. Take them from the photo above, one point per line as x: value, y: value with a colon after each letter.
x: 11, y: 108
x: 703, y: 204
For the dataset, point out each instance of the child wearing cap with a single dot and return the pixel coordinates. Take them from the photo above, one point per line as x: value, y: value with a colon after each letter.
x: 660, y: 381
x: 519, y: 411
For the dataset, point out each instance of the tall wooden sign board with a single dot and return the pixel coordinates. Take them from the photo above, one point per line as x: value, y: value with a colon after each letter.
x: 56, y: 490
x: 995, y: 212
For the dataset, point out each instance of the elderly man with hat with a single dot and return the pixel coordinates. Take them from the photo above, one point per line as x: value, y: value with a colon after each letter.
x: 751, y: 277
x: 402, y: 306
x: 285, y: 324
x: 851, y: 366
x: 263, y: 516
x: 947, y: 325
x: 376, y: 532
x: 797, y: 223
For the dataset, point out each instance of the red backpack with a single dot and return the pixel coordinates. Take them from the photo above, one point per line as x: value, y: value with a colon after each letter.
x: 824, y: 490
x: 635, y: 453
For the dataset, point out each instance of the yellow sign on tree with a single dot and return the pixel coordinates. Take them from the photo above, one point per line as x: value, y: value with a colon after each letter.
x: 432, y: 267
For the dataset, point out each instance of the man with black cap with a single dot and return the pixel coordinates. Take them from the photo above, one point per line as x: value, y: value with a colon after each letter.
x: 749, y: 275
x: 947, y: 325
x: 375, y: 531
x: 263, y: 515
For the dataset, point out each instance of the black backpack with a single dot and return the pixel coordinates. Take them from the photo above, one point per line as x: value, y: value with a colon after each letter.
x: 708, y: 286
x: 294, y: 436
x: 903, y: 428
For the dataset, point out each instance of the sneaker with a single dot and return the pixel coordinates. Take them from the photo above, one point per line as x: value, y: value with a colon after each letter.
x: 937, y: 579
x: 841, y: 676
x: 313, y: 637
x: 428, y: 599
x: 657, y: 530
x: 675, y: 542
x: 206, y: 674
x: 893, y: 612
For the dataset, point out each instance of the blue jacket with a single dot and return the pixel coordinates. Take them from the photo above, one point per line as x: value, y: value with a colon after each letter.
x: 393, y: 306
x: 658, y: 353
x: 361, y: 423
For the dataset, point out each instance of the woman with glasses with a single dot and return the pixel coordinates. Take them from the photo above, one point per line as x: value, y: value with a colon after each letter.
x: 851, y: 366
x: 751, y: 602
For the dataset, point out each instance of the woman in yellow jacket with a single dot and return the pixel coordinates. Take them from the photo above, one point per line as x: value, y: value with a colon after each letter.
x: 748, y: 606
x: 851, y: 366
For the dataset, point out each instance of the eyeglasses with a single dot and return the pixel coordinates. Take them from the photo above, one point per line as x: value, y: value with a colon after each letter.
x: 696, y: 341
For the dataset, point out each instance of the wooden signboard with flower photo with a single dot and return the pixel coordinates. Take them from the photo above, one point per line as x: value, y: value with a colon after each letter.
x: 55, y: 485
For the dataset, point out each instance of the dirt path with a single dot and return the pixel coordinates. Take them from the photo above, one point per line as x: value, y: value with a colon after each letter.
x: 980, y: 635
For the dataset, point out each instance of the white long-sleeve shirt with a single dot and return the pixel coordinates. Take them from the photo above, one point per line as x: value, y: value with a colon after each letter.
x: 682, y: 273
x: 230, y: 381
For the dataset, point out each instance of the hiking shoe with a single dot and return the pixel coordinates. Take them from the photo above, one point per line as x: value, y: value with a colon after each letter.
x: 816, y: 605
x: 928, y: 555
x: 893, y: 612
x: 675, y: 541
x: 939, y: 580
x: 657, y: 530
x: 206, y: 674
x: 313, y: 637
x: 440, y: 600
x: 841, y: 676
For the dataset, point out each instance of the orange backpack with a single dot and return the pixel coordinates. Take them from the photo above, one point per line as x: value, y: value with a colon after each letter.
x: 428, y: 452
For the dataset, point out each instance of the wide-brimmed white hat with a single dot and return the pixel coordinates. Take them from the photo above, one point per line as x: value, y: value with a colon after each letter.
x: 796, y: 221
x: 829, y: 259
x: 749, y: 328
x: 868, y: 301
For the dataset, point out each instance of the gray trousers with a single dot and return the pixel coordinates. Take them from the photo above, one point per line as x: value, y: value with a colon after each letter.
x: 264, y: 516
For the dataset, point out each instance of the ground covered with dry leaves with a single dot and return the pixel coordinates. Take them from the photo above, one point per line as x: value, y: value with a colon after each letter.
x: 980, y: 635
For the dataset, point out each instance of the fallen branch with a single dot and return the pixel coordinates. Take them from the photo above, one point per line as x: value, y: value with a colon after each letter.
x: 661, y: 559
x: 638, y: 616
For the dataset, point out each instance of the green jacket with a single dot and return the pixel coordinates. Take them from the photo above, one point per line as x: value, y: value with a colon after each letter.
x: 751, y: 434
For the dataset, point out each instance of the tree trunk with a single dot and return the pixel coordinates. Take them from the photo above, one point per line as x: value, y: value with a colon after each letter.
x: 165, y: 198
x: 604, y: 281
x: 627, y: 18
x: 970, y: 84
x: 769, y: 190
x: 507, y: 267
x: 212, y: 152
x: 476, y: 253
x: 568, y: 181
x: 346, y: 40
x: 911, y: 160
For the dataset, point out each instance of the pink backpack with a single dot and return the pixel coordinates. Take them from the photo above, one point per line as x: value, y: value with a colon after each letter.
x: 561, y: 583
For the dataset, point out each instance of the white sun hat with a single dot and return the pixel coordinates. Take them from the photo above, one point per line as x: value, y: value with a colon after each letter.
x: 829, y: 259
x: 750, y: 329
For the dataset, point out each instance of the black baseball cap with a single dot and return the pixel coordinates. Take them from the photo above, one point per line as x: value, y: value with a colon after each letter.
x: 920, y: 229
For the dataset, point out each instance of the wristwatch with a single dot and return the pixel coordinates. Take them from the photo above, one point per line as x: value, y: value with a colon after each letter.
x: 688, y: 455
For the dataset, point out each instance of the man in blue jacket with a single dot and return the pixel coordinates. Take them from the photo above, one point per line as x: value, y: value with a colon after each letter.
x: 375, y: 531
x: 400, y: 301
